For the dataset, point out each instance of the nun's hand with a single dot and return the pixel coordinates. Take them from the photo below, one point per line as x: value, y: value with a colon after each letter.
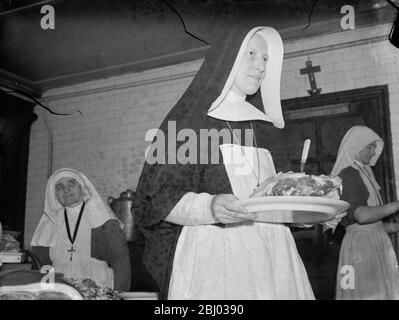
x: 225, y: 210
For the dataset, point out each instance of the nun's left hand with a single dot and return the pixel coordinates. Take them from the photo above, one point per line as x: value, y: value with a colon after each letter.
x: 391, y: 227
x: 224, y: 210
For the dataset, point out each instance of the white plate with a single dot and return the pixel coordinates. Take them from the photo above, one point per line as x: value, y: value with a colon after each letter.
x: 138, y: 295
x: 36, y: 288
x: 294, y: 209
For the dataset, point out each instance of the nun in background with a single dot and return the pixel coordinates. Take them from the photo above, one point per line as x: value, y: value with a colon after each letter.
x: 366, y: 248
x: 79, y: 235
x: 199, y: 243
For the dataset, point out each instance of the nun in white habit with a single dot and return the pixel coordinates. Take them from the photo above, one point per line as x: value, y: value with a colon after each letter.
x: 79, y: 235
x: 368, y: 267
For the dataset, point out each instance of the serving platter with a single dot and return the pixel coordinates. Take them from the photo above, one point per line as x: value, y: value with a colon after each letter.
x: 293, y: 209
x: 34, y: 291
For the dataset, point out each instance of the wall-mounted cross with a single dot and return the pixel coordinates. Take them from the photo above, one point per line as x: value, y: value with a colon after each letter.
x: 310, y: 70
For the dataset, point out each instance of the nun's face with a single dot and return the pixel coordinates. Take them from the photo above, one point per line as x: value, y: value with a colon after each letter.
x: 68, y: 192
x: 367, y: 153
x: 253, y: 67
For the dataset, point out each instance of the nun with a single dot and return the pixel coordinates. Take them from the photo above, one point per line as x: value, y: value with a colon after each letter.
x: 368, y: 267
x: 79, y: 235
x: 200, y: 244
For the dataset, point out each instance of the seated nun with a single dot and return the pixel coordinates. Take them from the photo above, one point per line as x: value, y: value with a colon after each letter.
x: 79, y: 235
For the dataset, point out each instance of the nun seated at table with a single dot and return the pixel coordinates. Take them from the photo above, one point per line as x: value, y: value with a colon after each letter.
x: 79, y: 235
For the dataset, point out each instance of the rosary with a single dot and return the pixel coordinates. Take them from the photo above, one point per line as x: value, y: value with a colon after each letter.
x: 72, y: 239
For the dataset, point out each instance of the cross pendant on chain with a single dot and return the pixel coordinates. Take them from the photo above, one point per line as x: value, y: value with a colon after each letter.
x: 71, y: 251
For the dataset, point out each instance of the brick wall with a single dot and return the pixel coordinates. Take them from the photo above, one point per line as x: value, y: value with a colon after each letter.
x: 107, y: 142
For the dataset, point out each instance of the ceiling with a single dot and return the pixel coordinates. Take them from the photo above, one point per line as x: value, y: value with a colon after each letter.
x: 95, y: 39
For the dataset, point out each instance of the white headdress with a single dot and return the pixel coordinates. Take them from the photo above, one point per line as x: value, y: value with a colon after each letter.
x: 352, y: 143
x: 96, y: 210
x: 242, y: 110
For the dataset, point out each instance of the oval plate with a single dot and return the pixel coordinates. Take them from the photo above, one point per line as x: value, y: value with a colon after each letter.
x: 294, y: 209
x: 34, y: 289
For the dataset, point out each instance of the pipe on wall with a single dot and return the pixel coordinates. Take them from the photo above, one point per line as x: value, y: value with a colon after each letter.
x: 50, y: 144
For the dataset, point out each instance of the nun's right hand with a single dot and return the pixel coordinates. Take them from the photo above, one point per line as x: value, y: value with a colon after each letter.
x: 224, y: 210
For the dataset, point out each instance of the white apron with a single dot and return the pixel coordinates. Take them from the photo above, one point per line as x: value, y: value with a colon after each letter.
x: 239, y: 261
x: 368, y: 250
x: 82, y: 266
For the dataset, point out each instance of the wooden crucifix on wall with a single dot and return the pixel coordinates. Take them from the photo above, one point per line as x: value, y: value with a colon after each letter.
x: 310, y: 70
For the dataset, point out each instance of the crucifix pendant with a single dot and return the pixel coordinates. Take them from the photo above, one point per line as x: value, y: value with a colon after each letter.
x: 71, y: 251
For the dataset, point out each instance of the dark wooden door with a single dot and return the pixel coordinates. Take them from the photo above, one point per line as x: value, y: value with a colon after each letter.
x: 16, y: 116
x: 325, y: 119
